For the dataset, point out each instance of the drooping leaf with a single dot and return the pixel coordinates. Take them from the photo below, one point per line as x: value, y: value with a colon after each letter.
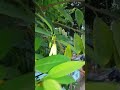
x: 44, y: 20
x: 42, y: 31
x: 51, y: 84
x: 45, y: 64
x: 78, y: 44
x: 116, y: 35
x: 65, y: 68
x: 103, y: 43
x: 79, y: 17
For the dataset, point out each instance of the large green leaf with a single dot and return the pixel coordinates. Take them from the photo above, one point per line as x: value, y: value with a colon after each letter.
x: 51, y: 84
x: 78, y: 44
x: 103, y: 43
x: 65, y: 68
x: 79, y: 17
x: 116, y: 35
x: 45, y: 64
x: 65, y: 79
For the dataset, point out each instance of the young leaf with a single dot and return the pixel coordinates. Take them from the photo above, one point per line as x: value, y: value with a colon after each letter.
x: 65, y: 68
x: 79, y: 17
x: 45, y: 64
x: 51, y: 84
x: 68, y: 52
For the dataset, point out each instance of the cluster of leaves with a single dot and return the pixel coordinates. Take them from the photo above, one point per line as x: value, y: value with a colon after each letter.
x: 51, y: 38
x: 105, y: 42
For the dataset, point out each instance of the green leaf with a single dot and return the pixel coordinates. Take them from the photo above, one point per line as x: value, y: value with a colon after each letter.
x: 116, y: 35
x: 65, y: 68
x: 37, y: 43
x: 83, y: 39
x: 79, y: 17
x: 51, y: 84
x: 39, y: 88
x: 44, y: 20
x: 68, y: 52
x: 42, y: 31
x: 66, y: 43
x: 65, y: 14
x: 45, y: 64
x: 78, y: 44
x: 65, y: 80
x: 103, y: 42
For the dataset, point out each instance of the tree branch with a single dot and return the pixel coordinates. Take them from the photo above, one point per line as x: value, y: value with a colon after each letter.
x: 105, y: 12
x: 75, y: 30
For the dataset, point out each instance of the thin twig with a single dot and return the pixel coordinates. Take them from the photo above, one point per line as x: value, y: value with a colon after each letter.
x: 75, y: 30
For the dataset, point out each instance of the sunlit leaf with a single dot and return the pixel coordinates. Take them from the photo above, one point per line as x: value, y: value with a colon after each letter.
x: 45, y: 64
x: 51, y: 84
x: 65, y: 68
